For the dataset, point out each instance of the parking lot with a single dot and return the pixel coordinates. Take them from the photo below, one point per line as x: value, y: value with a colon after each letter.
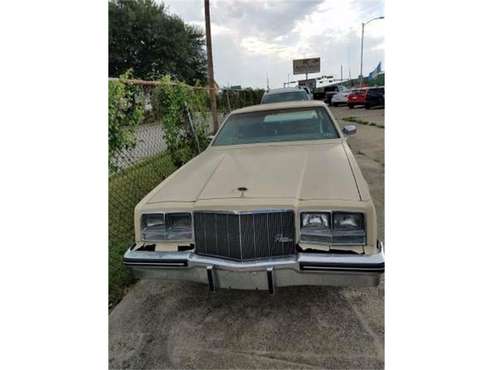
x: 182, y: 325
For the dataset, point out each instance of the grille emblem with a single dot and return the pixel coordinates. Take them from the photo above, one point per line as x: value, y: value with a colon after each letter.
x: 282, y: 239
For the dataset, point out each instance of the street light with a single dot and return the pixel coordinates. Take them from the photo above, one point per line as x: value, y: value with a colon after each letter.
x: 362, y: 37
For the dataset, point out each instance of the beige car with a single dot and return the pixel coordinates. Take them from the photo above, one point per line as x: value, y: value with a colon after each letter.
x: 277, y: 199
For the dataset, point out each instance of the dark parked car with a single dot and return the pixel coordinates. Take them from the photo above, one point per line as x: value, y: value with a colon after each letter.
x: 375, y: 97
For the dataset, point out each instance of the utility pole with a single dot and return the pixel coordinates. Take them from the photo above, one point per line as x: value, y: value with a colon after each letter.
x: 210, y: 66
x: 361, y: 64
x: 362, y: 36
x: 341, y: 73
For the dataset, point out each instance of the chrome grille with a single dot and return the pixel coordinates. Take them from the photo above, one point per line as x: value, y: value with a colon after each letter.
x: 244, y: 235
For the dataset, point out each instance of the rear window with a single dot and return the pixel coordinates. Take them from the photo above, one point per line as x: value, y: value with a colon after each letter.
x: 277, y: 126
x: 287, y: 96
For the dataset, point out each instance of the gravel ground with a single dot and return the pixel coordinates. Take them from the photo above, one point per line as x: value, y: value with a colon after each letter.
x: 181, y: 325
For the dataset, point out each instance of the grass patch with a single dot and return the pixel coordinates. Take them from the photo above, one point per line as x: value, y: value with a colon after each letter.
x: 126, y: 189
x: 362, y: 121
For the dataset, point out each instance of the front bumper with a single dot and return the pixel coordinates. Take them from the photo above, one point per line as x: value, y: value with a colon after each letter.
x: 266, y: 274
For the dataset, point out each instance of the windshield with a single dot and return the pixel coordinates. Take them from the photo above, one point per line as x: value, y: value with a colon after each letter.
x: 287, y: 96
x: 277, y: 126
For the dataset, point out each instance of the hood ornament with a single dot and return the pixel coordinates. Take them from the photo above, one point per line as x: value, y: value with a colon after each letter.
x: 242, y: 189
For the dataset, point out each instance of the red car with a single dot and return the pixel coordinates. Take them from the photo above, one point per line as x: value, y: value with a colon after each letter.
x: 357, y: 97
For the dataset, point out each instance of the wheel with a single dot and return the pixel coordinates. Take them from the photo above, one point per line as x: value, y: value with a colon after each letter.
x: 351, y: 106
x: 367, y: 106
x: 335, y: 104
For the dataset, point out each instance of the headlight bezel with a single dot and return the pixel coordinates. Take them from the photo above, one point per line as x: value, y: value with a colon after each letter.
x: 335, y: 236
x: 186, y: 235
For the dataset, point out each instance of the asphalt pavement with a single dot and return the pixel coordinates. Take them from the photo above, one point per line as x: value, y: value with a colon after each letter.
x: 162, y: 324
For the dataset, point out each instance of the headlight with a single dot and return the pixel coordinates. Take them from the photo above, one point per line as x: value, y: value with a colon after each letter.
x: 349, y: 228
x: 166, y: 226
x: 348, y: 221
x: 335, y: 228
x: 315, y: 227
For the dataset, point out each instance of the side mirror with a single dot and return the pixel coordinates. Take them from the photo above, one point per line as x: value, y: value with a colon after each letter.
x: 349, y: 130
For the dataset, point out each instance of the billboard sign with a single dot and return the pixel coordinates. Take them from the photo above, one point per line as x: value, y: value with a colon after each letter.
x: 303, y: 66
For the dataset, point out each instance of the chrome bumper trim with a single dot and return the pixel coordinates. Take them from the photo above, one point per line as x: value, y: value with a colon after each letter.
x: 268, y: 273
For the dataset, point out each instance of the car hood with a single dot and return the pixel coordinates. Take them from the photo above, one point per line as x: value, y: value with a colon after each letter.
x: 303, y: 172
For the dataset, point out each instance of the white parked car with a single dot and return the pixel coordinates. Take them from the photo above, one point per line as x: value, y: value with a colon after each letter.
x: 340, y: 98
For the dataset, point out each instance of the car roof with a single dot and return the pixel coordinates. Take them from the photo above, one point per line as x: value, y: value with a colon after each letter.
x: 284, y: 90
x: 279, y: 106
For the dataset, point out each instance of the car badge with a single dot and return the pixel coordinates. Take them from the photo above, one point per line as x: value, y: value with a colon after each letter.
x: 282, y: 239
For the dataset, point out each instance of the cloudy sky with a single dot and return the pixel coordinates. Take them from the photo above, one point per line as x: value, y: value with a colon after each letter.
x: 255, y: 38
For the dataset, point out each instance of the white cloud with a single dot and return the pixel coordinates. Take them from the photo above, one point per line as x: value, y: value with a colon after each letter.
x: 256, y: 46
x: 252, y: 38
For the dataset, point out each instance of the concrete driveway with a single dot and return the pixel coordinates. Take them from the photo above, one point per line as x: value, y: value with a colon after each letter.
x: 181, y: 325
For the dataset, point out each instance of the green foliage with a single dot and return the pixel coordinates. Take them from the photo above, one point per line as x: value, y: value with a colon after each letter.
x: 170, y: 101
x: 143, y: 36
x: 125, y: 111
x: 126, y: 189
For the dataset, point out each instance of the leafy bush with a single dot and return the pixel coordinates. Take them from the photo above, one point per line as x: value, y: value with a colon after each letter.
x: 125, y: 112
x: 172, y: 101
